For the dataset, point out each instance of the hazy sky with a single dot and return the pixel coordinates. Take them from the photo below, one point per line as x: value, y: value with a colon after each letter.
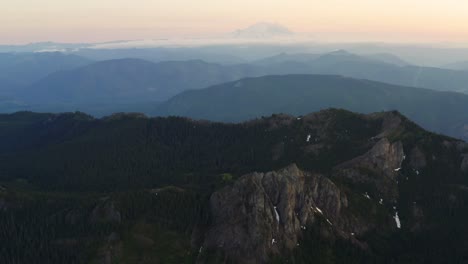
x: 103, y: 20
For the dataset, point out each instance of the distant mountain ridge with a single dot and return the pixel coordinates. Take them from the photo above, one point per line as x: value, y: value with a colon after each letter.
x: 461, y: 66
x: 129, y: 81
x: 443, y: 112
x: 25, y: 68
x: 134, y: 81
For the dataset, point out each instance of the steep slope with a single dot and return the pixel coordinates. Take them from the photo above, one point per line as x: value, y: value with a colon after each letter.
x: 442, y: 112
x: 332, y: 186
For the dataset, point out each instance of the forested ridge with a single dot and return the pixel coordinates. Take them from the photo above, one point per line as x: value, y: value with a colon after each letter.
x: 131, y: 189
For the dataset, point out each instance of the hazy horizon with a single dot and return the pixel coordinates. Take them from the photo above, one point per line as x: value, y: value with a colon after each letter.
x: 28, y: 21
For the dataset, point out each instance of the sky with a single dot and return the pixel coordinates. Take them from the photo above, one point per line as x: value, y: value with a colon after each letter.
x: 24, y: 21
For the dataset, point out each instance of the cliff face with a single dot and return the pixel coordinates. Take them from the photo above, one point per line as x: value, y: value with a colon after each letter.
x: 378, y: 168
x: 264, y: 213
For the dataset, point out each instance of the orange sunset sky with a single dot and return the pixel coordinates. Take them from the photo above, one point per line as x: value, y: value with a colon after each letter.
x: 23, y: 21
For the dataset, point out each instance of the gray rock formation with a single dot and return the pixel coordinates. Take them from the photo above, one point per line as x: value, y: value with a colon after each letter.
x: 265, y: 213
x: 378, y: 167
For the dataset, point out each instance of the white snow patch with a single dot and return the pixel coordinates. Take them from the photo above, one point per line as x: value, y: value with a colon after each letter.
x: 381, y: 201
x: 308, y: 138
x: 303, y: 228
x: 417, y: 172
x: 317, y: 210
x: 397, y: 220
x: 397, y: 169
x: 277, y: 214
x: 352, y: 234
x: 328, y: 221
x: 273, y: 241
x: 367, y: 195
x: 299, y: 118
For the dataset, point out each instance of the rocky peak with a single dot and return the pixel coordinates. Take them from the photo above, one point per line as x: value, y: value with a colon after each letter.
x: 263, y: 214
x: 383, y: 159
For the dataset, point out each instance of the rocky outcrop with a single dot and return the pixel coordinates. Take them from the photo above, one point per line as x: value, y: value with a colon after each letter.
x: 391, y: 122
x: 379, y: 167
x: 265, y: 213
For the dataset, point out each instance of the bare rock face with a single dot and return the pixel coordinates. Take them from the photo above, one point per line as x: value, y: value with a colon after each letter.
x: 264, y: 213
x: 391, y: 122
x: 378, y: 167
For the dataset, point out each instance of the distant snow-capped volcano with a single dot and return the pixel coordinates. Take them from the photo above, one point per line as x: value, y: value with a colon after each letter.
x: 262, y: 31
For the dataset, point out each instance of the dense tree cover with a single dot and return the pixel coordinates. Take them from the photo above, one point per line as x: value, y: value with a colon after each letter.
x: 39, y: 227
x: 76, y: 152
x: 75, y: 189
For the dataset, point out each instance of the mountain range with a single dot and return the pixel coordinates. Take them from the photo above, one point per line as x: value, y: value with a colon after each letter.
x: 135, y: 81
x: 25, y: 68
x: 69, y: 83
x: 443, y: 112
x: 129, y: 80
